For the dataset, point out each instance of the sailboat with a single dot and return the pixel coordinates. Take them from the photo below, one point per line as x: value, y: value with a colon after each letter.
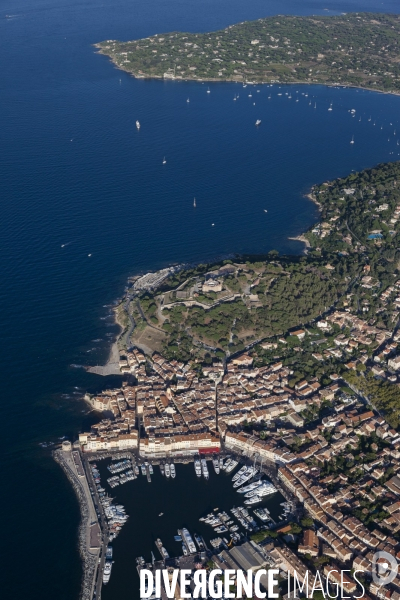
x: 352, y: 140
x: 315, y: 105
x: 164, y: 161
x: 208, y: 91
x: 137, y: 125
x: 194, y: 203
x: 330, y: 108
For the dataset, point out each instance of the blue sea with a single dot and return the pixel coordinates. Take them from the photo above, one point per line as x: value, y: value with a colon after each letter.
x: 86, y: 202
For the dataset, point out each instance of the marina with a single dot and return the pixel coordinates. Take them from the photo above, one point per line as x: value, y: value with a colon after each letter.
x: 205, y: 511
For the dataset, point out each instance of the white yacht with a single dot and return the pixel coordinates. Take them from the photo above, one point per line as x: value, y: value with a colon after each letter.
x: 164, y: 162
x: 253, y: 500
x: 264, y: 489
x: 241, y: 472
x: 232, y: 465
x: 258, y: 122
x: 352, y: 140
x: 187, y: 538
x: 251, y: 471
x: 137, y: 125
x: 250, y: 487
x: 173, y: 471
x: 107, y: 571
x: 167, y: 470
x: 216, y: 464
x: 197, y: 467
x: 263, y: 514
x: 204, y: 468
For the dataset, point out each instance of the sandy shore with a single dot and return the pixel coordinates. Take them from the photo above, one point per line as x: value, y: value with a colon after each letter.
x: 112, y: 365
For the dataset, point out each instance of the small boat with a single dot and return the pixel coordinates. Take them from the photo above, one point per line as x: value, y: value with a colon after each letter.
x: 352, y: 140
x: 265, y: 210
x: 208, y: 91
x: 330, y: 108
x: 194, y: 203
x: 137, y: 125
x: 188, y: 100
x: 258, y: 122
x: 162, y: 468
x: 161, y: 514
x: 164, y: 162
x: 177, y: 538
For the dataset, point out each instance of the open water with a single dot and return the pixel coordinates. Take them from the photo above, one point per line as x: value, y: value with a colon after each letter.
x: 77, y: 179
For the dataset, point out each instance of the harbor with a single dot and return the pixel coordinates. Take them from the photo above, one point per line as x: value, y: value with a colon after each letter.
x: 151, y: 517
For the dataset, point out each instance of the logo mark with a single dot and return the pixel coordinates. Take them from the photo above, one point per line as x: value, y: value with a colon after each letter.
x: 384, y: 568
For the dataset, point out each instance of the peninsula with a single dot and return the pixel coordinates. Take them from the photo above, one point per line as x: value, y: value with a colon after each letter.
x: 356, y: 49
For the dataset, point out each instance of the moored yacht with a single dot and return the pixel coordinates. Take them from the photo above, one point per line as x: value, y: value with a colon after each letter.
x: 167, y: 470
x: 187, y: 538
x: 241, y: 472
x: 232, y: 465
x: 253, y: 500
x: 216, y: 464
x: 197, y: 467
x: 107, y: 571
x: 173, y: 471
x: 250, y: 487
x: 204, y: 468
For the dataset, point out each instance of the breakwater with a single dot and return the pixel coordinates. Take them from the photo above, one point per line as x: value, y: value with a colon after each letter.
x: 90, y: 558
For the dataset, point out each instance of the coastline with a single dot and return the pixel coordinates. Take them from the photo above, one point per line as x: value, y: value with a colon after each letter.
x: 242, y: 80
x: 111, y: 367
x: 303, y: 239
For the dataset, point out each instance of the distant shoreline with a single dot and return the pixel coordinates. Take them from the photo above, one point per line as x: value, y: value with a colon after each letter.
x: 340, y: 85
